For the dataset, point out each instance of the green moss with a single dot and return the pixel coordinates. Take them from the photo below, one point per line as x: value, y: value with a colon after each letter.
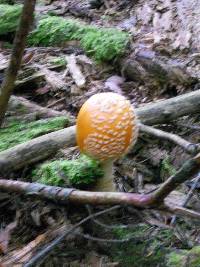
x: 175, y: 259
x: 104, y: 44
x: 167, y: 169
x: 58, y: 61
x: 194, y: 257
x: 143, y: 250
x: 17, y: 132
x: 78, y: 172
x: 9, y: 18
x: 53, y: 30
x: 184, y: 258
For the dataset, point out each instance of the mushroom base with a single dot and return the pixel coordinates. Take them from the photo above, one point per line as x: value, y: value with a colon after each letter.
x: 106, y: 183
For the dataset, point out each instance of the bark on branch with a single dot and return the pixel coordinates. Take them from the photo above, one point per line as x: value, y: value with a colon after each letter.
x: 154, y: 199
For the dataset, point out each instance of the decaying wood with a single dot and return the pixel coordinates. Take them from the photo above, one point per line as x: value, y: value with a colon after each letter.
x: 75, y: 71
x: 16, y: 56
x: 54, y: 79
x: 21, y: 103
x: 25, y: 82
x: 158, y: 71
x: 190, y: 148
x: 42, y: 147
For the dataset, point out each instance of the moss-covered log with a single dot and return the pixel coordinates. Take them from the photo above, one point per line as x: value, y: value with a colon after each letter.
x: 19, y: 132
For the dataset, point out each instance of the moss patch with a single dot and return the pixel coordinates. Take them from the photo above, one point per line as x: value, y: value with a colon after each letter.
x: 9, y: 18
x: 176, y: 259
x: 144, y: 249
x: 167, y: 169
x: 17, y: 132
x: 184, y: 258
x: 78, y: 172
x: 103, y: 44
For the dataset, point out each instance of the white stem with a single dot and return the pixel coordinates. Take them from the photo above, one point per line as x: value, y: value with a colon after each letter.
x: 106, y: 183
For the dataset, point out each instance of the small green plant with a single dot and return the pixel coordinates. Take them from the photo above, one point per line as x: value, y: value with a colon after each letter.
x: 58, y: 61
x: 78, y: 172
x: 9, y: 18
x: 19, y: 132
x: 167, y: 169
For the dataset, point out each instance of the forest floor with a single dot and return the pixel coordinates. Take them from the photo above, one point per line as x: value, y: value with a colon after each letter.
x: 47, y: 81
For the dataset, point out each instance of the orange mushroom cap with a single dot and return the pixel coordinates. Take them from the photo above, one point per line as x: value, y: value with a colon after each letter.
x: 106, y: 126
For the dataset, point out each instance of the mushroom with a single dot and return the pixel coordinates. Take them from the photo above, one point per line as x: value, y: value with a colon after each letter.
x: 106, y: 129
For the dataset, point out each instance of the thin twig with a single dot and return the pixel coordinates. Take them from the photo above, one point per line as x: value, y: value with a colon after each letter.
x: 89, y: 237
x: 187, y: 146
x: 109, y: 227
x: 56, y: 102
x: 193, y: 127
x: 46, y: 250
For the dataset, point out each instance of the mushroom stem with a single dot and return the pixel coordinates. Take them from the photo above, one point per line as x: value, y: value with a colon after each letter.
x: 106, y: 183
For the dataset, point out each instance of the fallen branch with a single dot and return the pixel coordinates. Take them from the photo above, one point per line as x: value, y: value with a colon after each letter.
x: 22, y: 103
x: 190, y: 148
x: 154, y: 199
x: 170, y: 109
x: 42, y: 147
x: 67, y: 195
